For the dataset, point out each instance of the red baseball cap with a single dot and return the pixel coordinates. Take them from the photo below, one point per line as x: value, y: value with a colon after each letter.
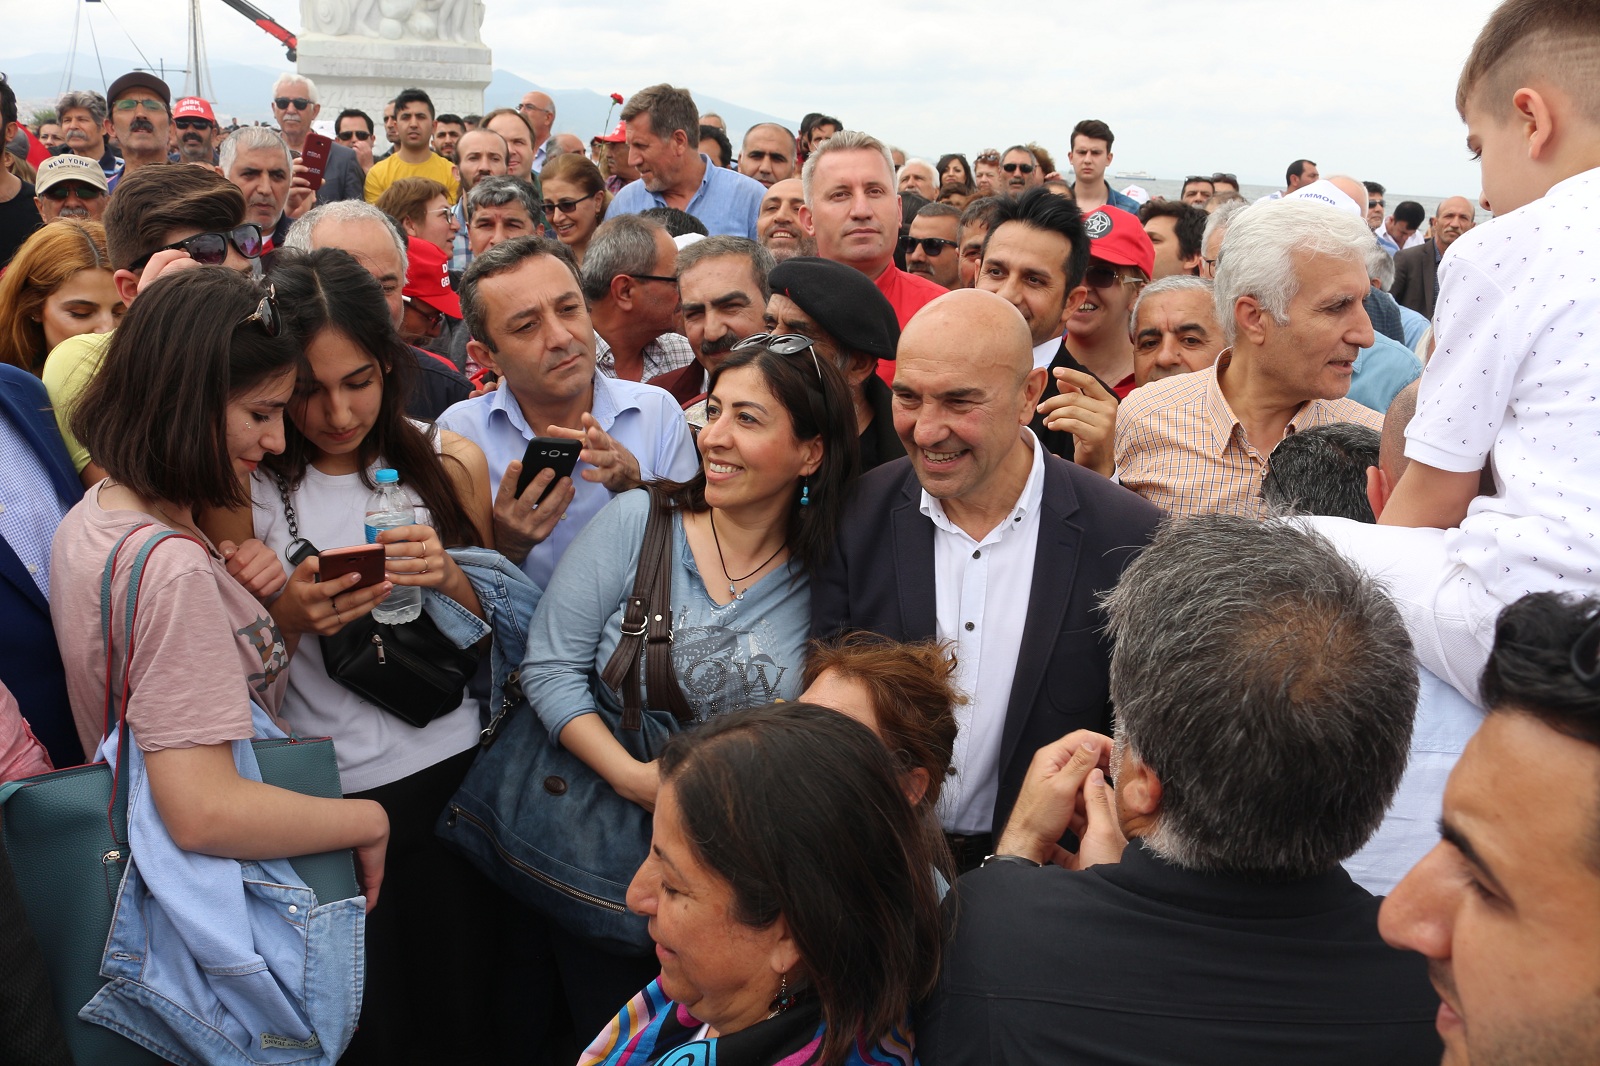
x: 428, y: 277
x: 193, y: 107
x: 1117, y: 237
x: 616, y: 136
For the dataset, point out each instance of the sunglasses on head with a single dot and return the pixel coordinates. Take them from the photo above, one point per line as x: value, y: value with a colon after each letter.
x: 931, y: 246
x: 211, y: 248
x: 192, y: 124
x: 266, y: 316
x: 782, y: 344
x: 63, y: 189
x: 356, y: 135
x: 1012, y: 168
x: 1100, y: 276
x: 566, y: 206
x: 299, y: 103
x: 988, y: 155
x: 1220, y: 176
x: 1192, y: 178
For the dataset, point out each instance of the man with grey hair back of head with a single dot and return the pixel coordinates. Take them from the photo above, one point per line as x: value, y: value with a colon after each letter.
x: 630, y: 280
x: 1288, y: 298
x: 294, y: 105
x: 853, y: 210
x: 82, y: 116
x: 377, y: 244
x: 663, y: 127
x: 1217, y: 223
x: 256, y: 160
x: 1265, y: 690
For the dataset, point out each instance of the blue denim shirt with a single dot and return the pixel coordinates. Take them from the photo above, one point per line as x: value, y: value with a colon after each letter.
x: 727, y: 201
x: 213, y: 960
x: 508, y: 597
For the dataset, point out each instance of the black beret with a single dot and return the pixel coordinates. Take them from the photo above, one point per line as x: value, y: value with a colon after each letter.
x: 844, y: 301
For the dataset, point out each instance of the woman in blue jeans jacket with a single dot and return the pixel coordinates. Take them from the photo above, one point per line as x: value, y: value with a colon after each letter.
x: 777, y: 451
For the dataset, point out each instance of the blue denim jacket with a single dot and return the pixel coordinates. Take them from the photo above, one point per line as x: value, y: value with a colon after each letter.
x: 508, y: 597
x: 221, y: 961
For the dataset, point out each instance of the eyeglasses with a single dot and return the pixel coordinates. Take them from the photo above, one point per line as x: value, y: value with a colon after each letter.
x: 535, y: 107
x: 784, y: 344
x: 443, y: 212
x: 359, y: 135
x: 566, y: 206
x: 931, y: 246
x: 266, y: 316
x: 1100, y: 276
x: 1374, y: 203
x: 655, y: 277
x: 988, y: 155
x: 130, y: 103
x: 211, y: 248
x: 432, y: 314
x: 1012, y: 168
x: 63, y: 189
x: 299, y: 103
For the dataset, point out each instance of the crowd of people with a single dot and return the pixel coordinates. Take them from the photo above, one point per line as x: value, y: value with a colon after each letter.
x: 990, y: 616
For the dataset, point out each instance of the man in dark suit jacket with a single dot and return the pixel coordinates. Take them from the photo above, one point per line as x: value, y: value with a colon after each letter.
x: 342, y: 178
x: 1227, y: 931
x: 1416, y: 278
x: 39, y: 487
x: 923, y: 552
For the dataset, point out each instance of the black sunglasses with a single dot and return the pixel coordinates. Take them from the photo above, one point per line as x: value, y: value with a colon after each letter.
x: 192, y: 124
x: 300, y: 103
x: 266, y: 316
x: 1375, y: 203
x: 1228, y: 178
x: 63, y: 189
x: 1192, y: 178
x: 211, y: 248
x: 1012, y: 168
x: 566, y: 206
x: 359, y: 135
x: 654, y: 277
x: 783, y: 344
x: 931, y: 246
x: 432, y: 315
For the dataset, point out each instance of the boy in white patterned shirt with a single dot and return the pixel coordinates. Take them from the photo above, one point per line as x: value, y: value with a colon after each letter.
x: 1515, y: 374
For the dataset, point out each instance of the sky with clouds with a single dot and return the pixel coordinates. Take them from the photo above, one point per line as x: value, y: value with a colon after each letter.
x: 1365, y: 86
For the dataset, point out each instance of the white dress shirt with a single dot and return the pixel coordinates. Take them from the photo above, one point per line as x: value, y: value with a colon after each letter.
x: 1045, y: 354
x: 982, y: 591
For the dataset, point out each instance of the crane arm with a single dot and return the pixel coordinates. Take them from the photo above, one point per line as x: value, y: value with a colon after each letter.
x: 267, y: 23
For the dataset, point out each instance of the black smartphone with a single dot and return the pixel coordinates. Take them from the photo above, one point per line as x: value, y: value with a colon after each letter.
x: 548, y: 453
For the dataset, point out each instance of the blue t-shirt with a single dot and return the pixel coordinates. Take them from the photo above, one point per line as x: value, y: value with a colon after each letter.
x: 727, y: 201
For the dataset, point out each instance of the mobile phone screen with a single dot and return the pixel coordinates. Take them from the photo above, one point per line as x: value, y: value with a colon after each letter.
x: 548, y: 453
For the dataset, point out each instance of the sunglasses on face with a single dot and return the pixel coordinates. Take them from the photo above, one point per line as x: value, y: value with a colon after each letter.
x: 566, y: 206
x: 1100, y: 276
x: 211, y: 248
x: 192, y: 124
x: 432, y: 315
x: 129, y: 103
x: 299, y: 103
x: 932, y: 247
x: 1374, y: 203
x: 62, y: 190
x: 266, y: 316
x: 355, y: 135
x: 1012, y: 168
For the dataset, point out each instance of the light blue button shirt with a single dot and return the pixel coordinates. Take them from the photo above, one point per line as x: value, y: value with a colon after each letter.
x: 1381, y: 371
x: 728, y: 202
x: 642, y: 418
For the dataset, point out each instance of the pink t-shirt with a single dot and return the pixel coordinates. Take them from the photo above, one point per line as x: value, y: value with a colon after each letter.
x: 203, y: 647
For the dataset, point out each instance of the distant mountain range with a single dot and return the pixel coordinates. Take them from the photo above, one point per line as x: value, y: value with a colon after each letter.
x: 241, y: 91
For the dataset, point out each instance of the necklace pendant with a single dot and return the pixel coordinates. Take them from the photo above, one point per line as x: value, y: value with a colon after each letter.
x: 735, y: 593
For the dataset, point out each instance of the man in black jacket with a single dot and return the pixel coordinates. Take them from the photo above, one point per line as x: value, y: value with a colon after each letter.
x: 1262, y: 729
x: 981, y: 537
x: 1416, y: 270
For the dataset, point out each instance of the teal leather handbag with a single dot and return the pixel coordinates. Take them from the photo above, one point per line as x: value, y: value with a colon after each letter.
x: 66, y: 836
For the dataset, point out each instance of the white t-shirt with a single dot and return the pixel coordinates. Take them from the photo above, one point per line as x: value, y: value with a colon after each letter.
x: 1516, y: 376
x: 374, y: 747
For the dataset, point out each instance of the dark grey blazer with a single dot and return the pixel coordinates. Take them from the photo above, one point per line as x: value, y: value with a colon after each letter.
x: 1416, y: 278
x: 880, y: 577
x: 342, y: 179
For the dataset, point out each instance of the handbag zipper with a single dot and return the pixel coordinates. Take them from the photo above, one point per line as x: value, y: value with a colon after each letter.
x: 537, y: 875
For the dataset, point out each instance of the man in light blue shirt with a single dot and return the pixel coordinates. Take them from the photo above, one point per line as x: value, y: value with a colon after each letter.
x: 663, y: 127
x: 524, y: 308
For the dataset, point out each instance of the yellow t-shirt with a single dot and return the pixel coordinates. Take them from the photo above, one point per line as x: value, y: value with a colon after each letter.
x: 68, y: 369
x: 391, y: 170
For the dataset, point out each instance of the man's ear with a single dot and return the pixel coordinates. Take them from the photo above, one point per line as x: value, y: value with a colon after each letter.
x: 1250, y: 318
x: 1138, y: 795
x: 480, y: 353
x: 807, y: 223
x: 1378, y: 490
x: 622, y: 291
x: 127, y: 285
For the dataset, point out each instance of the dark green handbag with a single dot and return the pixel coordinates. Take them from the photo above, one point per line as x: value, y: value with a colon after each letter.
x: 66, y: 835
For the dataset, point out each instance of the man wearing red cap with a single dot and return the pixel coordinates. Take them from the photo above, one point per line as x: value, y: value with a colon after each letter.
x: 427, y: 297
x: 1121, y: 260
x: 622, y: 172
x: 196, y: 124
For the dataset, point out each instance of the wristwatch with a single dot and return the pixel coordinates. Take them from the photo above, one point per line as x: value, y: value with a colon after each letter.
x: 1016, y: 860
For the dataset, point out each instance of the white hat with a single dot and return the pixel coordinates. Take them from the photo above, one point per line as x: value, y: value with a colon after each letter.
x: 1136, y: 192
x: 1324, y: 191
x: 69, y: 167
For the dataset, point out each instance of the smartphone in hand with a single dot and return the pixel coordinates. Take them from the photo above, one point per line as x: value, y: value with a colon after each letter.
x: 548, y: 453
x: 363, y: 559
x: 314, y: 157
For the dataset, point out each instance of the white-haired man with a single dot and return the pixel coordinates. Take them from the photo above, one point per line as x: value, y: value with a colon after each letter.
x: 1288, y: 292
x: 294, y: 105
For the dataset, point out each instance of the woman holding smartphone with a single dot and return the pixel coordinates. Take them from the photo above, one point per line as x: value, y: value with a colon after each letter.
x: 188, y: 401
x: 347, y: 421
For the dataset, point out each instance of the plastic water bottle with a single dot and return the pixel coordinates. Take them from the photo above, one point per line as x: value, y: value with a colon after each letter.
x: 387, y: 508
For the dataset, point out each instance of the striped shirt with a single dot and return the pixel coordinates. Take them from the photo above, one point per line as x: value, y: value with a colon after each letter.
x: 1180, y: 446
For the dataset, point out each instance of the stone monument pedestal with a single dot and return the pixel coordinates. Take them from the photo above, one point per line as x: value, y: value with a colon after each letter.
x: 366, y: 73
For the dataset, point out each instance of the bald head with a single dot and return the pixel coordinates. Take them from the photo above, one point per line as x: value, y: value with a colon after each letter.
x: 971, y: 326
x: 1353, y: 189
x: 1392, y: 448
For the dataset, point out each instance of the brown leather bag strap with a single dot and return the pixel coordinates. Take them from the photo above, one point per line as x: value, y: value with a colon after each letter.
x: 661, y: 676
x: 621, y: 671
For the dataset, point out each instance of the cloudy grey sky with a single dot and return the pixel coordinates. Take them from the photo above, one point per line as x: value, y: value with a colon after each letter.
x: 1364, y: 86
